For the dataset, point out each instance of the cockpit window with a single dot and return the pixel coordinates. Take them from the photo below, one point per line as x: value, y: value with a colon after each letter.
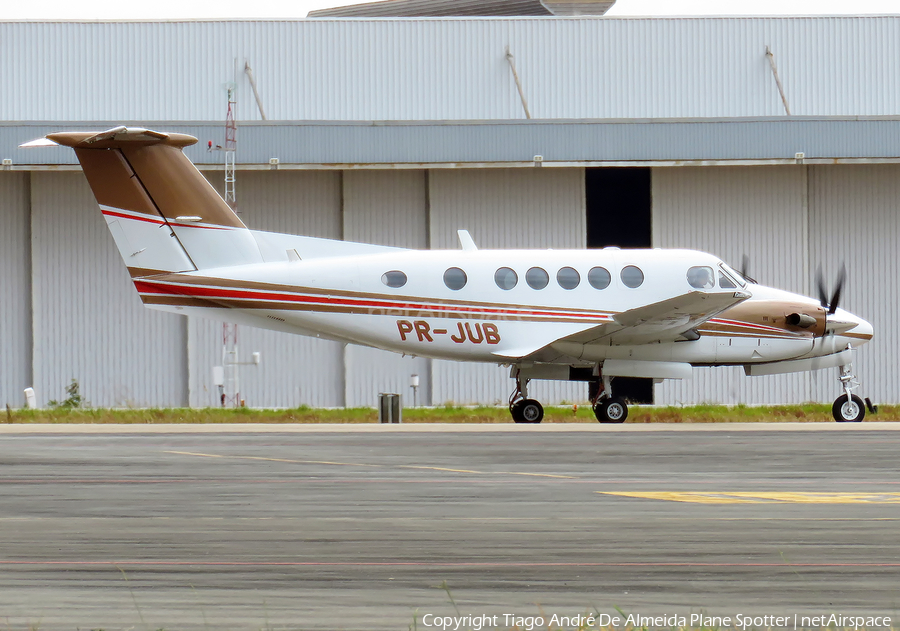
x: 733, y: 275
x: 701, y: 277
x: 725, y: 282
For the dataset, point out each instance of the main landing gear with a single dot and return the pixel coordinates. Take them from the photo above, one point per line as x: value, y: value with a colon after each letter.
x: 607, y: 408
x: 849, y: 408
x: 523, y: 409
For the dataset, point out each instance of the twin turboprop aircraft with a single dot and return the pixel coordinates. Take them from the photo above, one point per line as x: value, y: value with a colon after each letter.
x: 571, y: 315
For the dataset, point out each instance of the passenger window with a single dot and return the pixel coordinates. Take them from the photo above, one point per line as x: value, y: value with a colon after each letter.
x: 455, y: 278
x: 506, y: 278
x: 701, y: 277
x: 568, y: 278
x: 537, y: 278
x: 632, y: 276
x: 394, y: 279
x: 599, y: 278
x: 725, y: 282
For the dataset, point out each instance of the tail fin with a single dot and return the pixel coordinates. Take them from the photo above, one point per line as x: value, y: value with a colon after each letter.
x: 163, y: 214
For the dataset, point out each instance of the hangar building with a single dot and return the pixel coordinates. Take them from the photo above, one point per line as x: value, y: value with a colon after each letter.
x: 668, y: 132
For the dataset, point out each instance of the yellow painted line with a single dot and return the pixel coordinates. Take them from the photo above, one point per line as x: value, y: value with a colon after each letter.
x: 540, y: 475
x: 743, y: 497
x: 344, y: 464
x: 409, y: 466
x: 359, y: 464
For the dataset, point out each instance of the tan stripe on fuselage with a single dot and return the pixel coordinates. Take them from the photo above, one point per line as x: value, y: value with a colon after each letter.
x: 185, y: 279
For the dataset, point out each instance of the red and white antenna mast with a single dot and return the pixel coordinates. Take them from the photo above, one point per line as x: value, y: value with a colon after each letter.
x: 231, y: 392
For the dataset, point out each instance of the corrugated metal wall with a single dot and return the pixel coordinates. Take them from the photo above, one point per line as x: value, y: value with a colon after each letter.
x: 730, y: 212
x: 451, y: 69
x: 89, y: 323
x: 294, y: 370
x: 387, y: 208
x: 504, y: 208
x: 15, y: 287
x: 855, y: 219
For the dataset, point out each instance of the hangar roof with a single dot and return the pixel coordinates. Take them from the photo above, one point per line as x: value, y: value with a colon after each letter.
x: 436, y: 69
x: 462, y: 144
x: 458, y: 8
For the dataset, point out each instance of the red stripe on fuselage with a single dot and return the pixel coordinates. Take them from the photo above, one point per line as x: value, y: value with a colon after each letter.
x: 208, y: 292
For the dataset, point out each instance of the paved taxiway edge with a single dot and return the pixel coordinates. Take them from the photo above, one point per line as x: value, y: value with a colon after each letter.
x: 350, y: 428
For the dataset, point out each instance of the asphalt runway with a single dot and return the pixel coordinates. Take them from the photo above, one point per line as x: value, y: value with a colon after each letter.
x: 361, y: 529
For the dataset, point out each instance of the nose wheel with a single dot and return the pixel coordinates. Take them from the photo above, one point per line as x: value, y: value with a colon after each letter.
x: 848, y: 409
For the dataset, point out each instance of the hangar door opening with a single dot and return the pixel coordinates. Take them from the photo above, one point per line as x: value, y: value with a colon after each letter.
x: 619, y: 202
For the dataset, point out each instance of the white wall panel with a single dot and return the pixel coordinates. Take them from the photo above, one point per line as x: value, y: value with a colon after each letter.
x: 504, y: 208
x: 854, y: 219
x: 89, y: 323
x: 450, y: 69
x: 730, y: 212
x: 295, y: 370
x: 15, y: 288
x: 387, y: 208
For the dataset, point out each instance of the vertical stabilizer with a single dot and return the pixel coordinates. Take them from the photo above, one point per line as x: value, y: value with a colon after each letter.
x: 162, y: 212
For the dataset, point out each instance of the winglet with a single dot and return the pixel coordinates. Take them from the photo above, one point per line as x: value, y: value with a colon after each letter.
x: 466, y: 242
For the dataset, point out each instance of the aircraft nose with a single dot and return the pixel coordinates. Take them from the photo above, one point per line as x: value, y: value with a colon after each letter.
x: 858, y: 334
x: 864, y: 330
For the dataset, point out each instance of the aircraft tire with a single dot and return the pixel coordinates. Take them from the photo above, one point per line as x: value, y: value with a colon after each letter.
x: 848, y: 412
x: 527, y: 411
x: 613, y: 410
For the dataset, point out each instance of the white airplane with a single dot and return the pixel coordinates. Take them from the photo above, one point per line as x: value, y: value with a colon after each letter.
x: 571, y: 315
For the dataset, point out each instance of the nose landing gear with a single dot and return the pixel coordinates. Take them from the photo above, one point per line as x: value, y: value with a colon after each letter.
x: 849, y: 408
x: 523, y: 409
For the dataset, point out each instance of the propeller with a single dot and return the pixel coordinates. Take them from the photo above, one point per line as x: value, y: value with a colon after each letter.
x: 745, y: 265
x: 832, y: 304
x: 832, y: 325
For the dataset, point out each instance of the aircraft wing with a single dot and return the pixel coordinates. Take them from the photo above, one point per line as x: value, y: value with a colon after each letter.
x: 664, y: 321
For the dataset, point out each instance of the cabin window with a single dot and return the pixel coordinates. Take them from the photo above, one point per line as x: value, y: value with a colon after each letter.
x: 725, y: 282
x: 394, y: 279
x: 506, y: 278
x: 599, y: 277
x: 537, y: 278
x: 632, y: 276
x: 701, y: 277
x: 455, y: 278
x: 568, y: 278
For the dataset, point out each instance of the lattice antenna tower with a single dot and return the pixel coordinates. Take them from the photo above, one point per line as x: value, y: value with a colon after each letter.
x: 231, y: 392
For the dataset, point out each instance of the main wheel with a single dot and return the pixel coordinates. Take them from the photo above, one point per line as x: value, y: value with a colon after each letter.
x: 852, y: 411
x: 613, y: 410
x: 527, y: 411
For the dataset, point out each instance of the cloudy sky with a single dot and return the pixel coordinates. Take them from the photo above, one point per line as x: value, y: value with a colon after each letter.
x: 188, y: 9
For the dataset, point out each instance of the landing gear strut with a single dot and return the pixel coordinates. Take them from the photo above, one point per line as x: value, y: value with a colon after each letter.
x: 607, y: 408
x: 523, y: 409
x: 848, y: 408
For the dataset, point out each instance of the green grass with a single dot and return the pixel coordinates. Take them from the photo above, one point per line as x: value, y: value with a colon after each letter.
x: 807, y: 413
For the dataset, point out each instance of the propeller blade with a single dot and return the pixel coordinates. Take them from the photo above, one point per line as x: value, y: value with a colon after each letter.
x: 820, y: 285
x: 745, y: 265
x: 839, y: 287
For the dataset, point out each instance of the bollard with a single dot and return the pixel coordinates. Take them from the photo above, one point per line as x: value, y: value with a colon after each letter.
x: 30, y: 399
x: 390, y: 408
